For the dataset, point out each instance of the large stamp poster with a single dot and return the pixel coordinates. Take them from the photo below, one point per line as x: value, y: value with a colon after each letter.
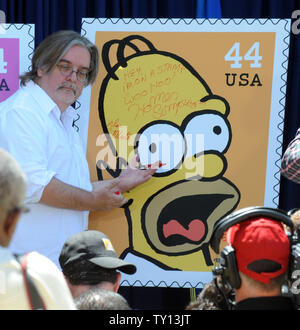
x: 16, y: 49
x: 204, y: 97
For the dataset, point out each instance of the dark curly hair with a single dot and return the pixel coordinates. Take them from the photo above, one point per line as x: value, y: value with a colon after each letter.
x: 84, y: 272
x: 211, y: 297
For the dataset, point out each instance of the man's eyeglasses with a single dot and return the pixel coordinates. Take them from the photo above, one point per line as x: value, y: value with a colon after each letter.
x: 67, y: 70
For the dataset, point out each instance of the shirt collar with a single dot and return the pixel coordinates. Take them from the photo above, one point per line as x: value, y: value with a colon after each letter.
x: 46, y: 102
x: 68, y: 116
x: 41, y: 97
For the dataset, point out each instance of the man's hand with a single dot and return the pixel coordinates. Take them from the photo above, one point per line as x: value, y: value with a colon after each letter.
x: 106, y: 195
x: 132, y: 176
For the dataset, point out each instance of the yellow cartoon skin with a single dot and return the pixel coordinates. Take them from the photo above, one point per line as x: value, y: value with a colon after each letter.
x: 166, y: 111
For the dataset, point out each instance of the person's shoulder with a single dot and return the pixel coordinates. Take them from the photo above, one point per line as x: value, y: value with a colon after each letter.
x: 20, y: 103
x: 43, y: 270
x: 50, y: 281
x: 41, y: 263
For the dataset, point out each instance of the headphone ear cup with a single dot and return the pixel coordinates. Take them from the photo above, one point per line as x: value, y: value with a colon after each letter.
x: 229, y: 265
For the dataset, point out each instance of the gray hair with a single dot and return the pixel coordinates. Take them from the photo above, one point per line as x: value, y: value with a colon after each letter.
x: 100, y: 299
x: 12, y: 184
x: 54, y: 47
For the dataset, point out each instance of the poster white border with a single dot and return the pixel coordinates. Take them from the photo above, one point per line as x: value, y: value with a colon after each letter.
x: 281, y: 27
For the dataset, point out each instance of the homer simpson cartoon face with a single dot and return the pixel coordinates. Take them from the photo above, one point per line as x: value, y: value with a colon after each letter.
x: 155, y: 105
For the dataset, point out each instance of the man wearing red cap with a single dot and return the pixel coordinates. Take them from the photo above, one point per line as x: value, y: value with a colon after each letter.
x: 262, y: 251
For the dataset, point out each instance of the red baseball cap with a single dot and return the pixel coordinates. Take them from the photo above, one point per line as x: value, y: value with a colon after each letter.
x: 260, y: 239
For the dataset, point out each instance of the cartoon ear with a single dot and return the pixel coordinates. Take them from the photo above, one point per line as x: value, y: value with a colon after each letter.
x: 105, y: 58
x: 120, y: 52
x: 102, y: 165
x: 127, y: 42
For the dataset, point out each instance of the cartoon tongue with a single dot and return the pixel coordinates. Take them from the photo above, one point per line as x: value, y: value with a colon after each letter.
x: 194, y: 233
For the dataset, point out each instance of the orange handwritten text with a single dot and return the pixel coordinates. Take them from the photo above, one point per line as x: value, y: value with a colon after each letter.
x: 118, y: 131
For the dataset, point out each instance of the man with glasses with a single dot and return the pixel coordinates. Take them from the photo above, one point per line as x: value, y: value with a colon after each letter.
x: 36, y: 127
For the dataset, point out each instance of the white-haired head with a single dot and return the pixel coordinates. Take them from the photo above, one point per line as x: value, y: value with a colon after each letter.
x: 12, y: 190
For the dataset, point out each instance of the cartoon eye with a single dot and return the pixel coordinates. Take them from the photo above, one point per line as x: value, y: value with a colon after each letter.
x: 161, y: 142
x: 207, y: 132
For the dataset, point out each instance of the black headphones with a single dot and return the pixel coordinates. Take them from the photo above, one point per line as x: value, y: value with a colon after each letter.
x: 228, y: 265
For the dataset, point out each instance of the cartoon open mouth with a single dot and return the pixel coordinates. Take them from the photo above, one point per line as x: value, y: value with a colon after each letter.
x: 184, y: 221
x: 177, y: 225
